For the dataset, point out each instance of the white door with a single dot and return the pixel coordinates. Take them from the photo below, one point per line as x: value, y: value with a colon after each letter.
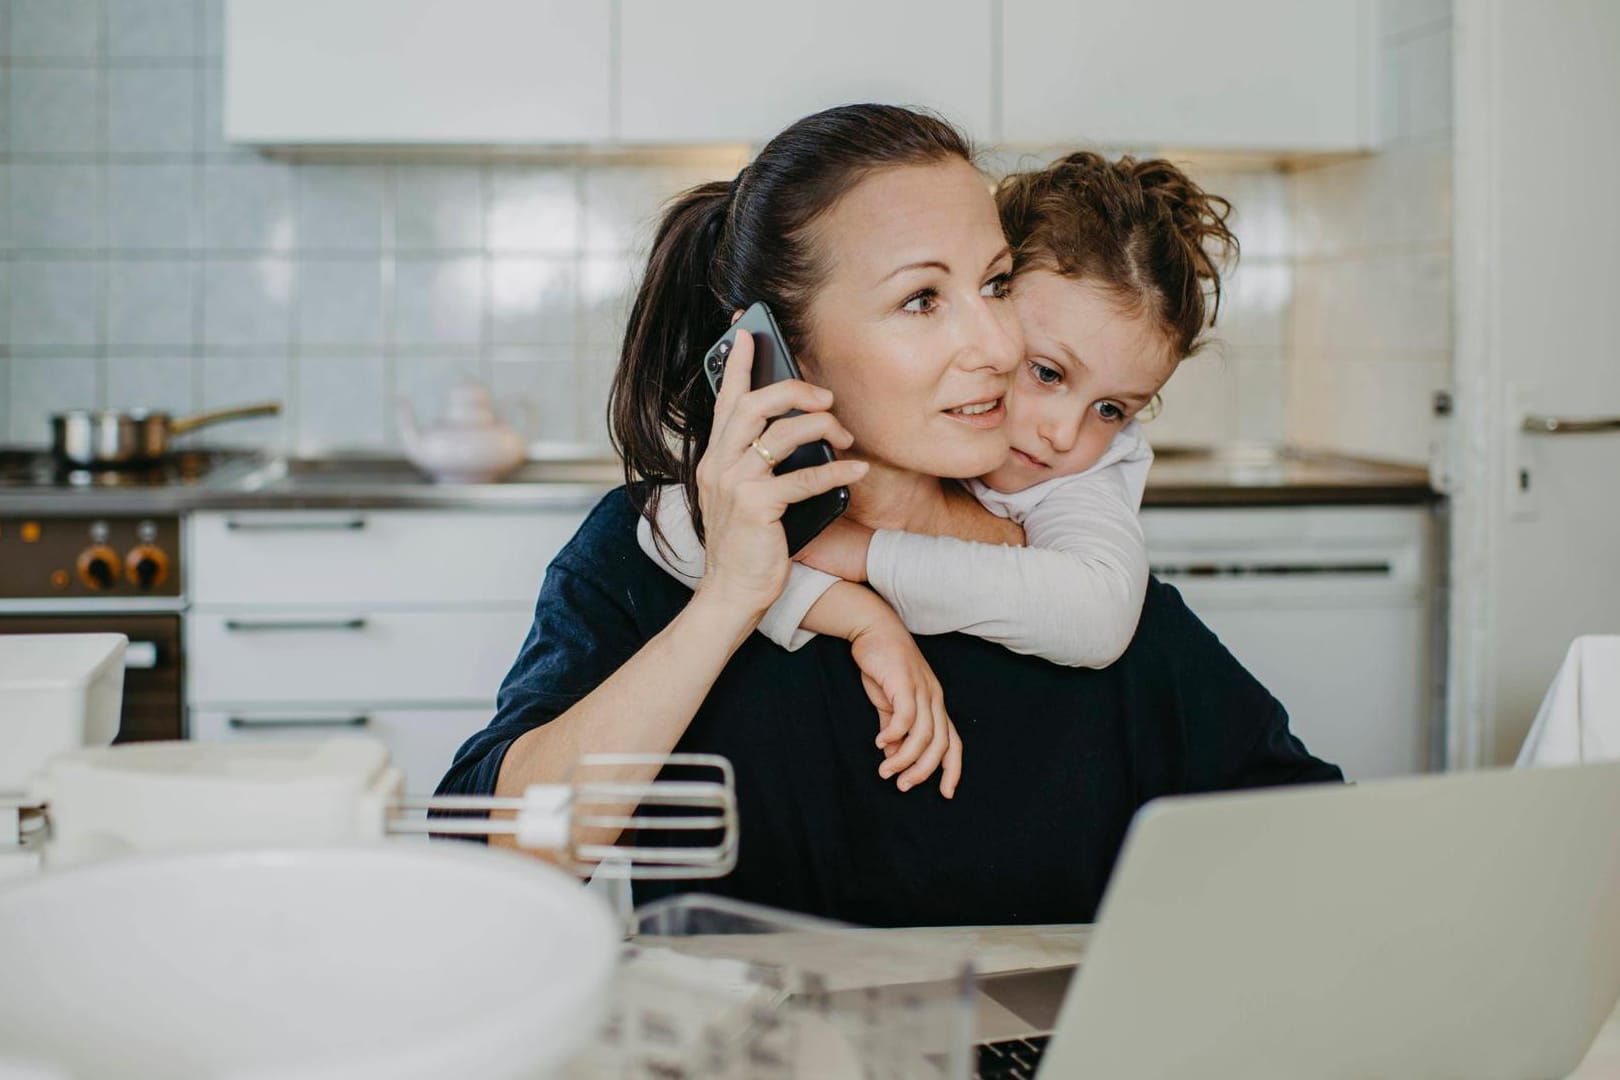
x: 1536, y: 546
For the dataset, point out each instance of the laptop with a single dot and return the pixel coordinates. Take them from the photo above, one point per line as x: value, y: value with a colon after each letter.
x: 1465, y: 925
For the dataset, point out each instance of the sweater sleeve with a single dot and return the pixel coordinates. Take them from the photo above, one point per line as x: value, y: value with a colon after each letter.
x: 683, y: 560
x: 1073, y: 596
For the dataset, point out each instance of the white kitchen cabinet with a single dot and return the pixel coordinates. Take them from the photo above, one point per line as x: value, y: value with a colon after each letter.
x: 1244, y: 75
x: 363, y: 656
x: 418, y: 71
x: 705, y: 71
x: 397, y: 624
x: 1329, y: 607
x: 271, y: 558
x: 421, y: 743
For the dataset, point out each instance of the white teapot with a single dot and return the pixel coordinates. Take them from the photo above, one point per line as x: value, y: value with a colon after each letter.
x: 470, y: 444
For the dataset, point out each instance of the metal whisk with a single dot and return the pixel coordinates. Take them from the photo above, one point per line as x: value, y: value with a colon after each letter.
x: 698, y: 818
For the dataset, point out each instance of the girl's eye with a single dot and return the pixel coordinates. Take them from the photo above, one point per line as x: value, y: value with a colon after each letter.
x: 1110, y: 412
x: 921, y: 303
x: 998, y: 287
x: 1046, y: 376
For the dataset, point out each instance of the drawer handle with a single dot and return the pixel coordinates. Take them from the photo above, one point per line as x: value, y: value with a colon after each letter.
x: 244, y: 723
x: 310, y: 525
x: 255, y: 626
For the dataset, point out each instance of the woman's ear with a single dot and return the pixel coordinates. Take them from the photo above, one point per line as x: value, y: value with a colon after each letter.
x: 735, y: 315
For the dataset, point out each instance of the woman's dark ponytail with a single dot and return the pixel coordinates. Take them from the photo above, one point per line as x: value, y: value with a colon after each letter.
x: 723, y: 246
x: 660, y: 407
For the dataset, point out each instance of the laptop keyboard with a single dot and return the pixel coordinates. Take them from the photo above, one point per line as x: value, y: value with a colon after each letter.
x: 1011, y: 1059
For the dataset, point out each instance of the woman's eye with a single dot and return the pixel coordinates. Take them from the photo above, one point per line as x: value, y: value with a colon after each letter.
x: 998, y: 287
x: 922, y: 303
x: 1046, y: 376
x: 1110, y: 412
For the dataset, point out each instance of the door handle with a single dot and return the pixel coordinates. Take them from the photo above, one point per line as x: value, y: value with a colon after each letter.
x: 261, y: 723
x: 1569, y: 425
x: 271, y: 625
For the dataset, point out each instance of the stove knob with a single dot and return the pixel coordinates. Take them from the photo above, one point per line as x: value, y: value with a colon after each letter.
x: 98, y: 567
x: 146, y: 566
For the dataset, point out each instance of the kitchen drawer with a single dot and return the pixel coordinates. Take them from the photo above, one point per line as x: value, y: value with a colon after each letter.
x: 364, y: 657
x: 392, y: 557
x: 421, y: 742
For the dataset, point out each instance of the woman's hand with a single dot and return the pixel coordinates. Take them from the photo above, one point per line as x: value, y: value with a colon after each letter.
x: 741, y: 499
x: 917, y: 736
x: 839, y: 550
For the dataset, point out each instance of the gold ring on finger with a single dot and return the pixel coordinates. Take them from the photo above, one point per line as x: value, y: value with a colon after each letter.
x: 759, y: 448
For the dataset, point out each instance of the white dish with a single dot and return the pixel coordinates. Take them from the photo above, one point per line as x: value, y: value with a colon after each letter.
x: 281, y: 964
x: 57, y: 692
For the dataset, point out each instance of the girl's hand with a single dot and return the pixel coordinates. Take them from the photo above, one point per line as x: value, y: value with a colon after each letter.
x: 840, y: 550
x: 741, y: 499
x: 917, y: 736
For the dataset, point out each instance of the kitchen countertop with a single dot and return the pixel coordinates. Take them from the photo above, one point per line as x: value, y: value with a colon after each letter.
x: 1236, y: 475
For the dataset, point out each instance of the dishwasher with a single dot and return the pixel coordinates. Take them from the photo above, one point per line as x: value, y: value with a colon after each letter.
x: 1330, y: 607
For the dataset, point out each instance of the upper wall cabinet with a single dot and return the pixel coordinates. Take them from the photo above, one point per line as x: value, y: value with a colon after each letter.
x: 699, y: 71
x: 418, y: 71
x: 1258, y: 75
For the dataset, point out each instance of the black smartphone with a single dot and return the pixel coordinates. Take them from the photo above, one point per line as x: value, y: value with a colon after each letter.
x: 803, y: 520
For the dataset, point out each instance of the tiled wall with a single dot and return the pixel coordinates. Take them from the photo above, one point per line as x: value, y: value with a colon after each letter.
x: 1369, y: 330
x: 146, y: 261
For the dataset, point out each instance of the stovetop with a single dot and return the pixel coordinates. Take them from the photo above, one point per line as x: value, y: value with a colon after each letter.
x: 36, y: 470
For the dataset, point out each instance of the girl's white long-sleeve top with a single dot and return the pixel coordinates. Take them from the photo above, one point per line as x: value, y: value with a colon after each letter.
x: 1072, y: 596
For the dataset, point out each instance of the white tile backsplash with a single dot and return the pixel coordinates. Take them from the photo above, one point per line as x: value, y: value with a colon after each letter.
x: 340, y: 208
x: 340, y: 303
x: 342, y: 402
x: 438, y: 208
x: 248, y: 206
x: 531, y: 301
x: 54, y: 29
x: 53, y: 110
x: 247, y: 302
x: 438, y: 301
x: 56, y: 206
x: 533, y: 209
x: 151, y: 110
x: 55, y: 304
x: 152, y: 207
x: 540, y: 388
x: 148, y: 29
x: 151, y: 302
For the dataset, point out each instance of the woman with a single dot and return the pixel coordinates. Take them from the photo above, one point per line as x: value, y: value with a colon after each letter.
x: 873, y: 238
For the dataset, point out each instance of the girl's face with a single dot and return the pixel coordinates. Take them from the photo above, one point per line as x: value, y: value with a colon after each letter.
x: 912, y: 330
x: 1088, y: 367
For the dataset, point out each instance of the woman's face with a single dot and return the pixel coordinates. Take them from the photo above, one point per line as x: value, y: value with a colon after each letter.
x: 1089, y: 366
x: 911, y: 329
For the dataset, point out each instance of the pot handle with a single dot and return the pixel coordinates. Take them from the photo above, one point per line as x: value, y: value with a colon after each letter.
x: 214, y: 416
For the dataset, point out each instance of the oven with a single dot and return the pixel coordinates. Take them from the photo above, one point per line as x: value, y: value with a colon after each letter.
x: 154, y: 673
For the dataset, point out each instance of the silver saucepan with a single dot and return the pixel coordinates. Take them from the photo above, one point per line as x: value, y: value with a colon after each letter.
x: 132, y: 437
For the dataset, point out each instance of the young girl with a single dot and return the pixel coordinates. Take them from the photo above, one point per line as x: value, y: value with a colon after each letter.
x: 1111, y: 264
